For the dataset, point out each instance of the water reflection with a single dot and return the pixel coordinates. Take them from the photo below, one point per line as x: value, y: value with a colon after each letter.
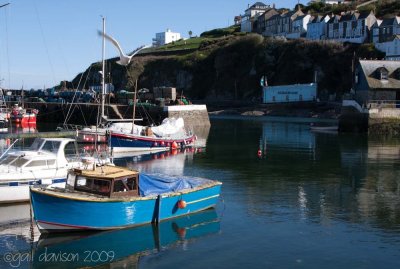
x: 354, y: 177
x: 122, y: 247
x: 170, y: 162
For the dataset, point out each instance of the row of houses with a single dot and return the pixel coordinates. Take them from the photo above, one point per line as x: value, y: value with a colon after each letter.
x: 353, y: 27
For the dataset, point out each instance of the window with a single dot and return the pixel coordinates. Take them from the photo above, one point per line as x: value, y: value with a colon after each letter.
x: 19, y: 162
x: 70, y: 151
x: 9, y: 160
x: 70, y: 180
x: 101, y: 186
x: 384, y: 75
x: 36, y: 163
x: 96, y: 186
x: 83, y: 183
x: 36, y: 144
x: 51, y: 146
x: 126, y: 184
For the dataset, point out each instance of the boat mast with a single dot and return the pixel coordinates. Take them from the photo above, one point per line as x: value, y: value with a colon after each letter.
x: 134, y: 107
x: 103, y: 71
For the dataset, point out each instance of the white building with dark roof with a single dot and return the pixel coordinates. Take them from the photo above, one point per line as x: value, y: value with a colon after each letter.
x: 251, y: 14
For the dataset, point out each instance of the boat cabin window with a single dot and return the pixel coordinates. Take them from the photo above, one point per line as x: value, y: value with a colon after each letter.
x: 19, y: 162
x: 36, y: 163
x: 36, y: 144
x: 95, y: 186
x: 125, y: 186
x: 9, y: 160
x: 70, y: 181
x: 51, y: 146
x: 71, y: 151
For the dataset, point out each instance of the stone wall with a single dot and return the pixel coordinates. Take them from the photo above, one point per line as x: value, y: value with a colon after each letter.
x: 193, y: 115
x: 384, y: 113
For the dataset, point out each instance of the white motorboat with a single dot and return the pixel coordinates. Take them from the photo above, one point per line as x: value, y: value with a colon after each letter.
x: 46, y: 162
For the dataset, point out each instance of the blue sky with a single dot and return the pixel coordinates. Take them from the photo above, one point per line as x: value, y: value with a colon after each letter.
x: 45, y: 41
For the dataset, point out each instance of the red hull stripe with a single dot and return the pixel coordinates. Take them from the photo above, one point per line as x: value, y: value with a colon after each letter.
x: 65, y: 225
x: 191, y: 138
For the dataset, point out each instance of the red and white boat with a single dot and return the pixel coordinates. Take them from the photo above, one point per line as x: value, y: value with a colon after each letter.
x: 23, y: 116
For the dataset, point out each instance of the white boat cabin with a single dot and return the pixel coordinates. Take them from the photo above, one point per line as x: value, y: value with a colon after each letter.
x: 44, y: 153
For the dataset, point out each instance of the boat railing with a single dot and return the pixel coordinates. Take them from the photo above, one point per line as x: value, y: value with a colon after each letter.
x: 70, y: 127
x: 379, y: 104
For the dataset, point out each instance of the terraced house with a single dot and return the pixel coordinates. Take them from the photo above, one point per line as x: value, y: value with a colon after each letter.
x: 352, y: 27
x: 386, y: 37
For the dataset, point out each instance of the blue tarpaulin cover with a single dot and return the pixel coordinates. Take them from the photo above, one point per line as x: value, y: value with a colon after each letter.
x: 154, y: 184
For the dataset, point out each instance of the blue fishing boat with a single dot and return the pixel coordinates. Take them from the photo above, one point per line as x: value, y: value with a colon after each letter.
x: 112, y: 197
x: 123, y: 246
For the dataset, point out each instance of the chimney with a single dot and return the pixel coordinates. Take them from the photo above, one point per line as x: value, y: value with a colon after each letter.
x: 273, y: 5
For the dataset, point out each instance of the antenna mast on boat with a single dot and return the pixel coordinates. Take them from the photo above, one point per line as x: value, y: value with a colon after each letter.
x: 103, y: 71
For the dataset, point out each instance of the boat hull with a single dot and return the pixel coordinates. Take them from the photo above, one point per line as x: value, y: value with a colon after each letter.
x: 18, y: 191
x: 127, y: 142
x: 107, y: 214
x: 26, y: 119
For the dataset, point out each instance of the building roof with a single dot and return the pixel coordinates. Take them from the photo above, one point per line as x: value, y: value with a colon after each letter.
x: 316, y: 19
x: 346, y: 17
x: 333, y: 18
x: 390, y: 21
x: 258, y: 5
x: 370, y: 67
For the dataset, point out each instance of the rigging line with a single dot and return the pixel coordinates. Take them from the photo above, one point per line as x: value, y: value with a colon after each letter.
x: 45, y: 43
x: 69, y: 113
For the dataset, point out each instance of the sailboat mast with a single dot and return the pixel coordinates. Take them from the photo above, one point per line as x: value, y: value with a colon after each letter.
x: 134, y: 108
x: 103, y: 88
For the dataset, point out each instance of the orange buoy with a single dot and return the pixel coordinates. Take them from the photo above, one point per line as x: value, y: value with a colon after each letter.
x: 181, y: 204
x: 174, y: 145
x: 181, y: 232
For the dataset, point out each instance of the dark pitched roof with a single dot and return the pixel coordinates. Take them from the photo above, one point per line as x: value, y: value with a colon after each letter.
x: 363, y: 15
x: 346, y: 17
x: 333, y: 18
x: 316, y: 19
x: 389, y: 22
x: 258, y: 4
x: 370, y: 68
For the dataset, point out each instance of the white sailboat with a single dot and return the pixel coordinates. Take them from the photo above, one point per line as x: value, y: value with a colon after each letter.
x: 127, y: 137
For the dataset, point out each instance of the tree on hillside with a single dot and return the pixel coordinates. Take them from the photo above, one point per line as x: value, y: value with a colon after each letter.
x: 190, y: 34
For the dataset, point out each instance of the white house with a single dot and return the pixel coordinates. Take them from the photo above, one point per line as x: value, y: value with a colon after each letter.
x: 299, y: 27
x: 165, y: 38
x: 316, y: 28
x: 251, y: 14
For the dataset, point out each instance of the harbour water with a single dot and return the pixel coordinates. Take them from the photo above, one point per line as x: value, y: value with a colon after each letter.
x: 309, y: 200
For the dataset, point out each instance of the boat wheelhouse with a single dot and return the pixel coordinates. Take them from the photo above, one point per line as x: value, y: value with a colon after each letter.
x: 112, y: 197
